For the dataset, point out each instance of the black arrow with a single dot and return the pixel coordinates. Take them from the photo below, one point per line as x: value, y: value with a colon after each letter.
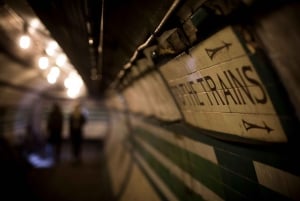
x: 249, y: 126
x: 212, y: 52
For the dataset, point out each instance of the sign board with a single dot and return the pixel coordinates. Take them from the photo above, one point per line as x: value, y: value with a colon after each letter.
x: 218, y: 89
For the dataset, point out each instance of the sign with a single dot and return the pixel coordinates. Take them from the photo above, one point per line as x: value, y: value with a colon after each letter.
x: 218, y: 89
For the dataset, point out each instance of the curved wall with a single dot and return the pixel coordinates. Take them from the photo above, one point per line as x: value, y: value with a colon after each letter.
x: 217, y: 120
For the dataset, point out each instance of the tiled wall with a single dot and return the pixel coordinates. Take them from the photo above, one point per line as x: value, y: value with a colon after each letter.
x: 175, y: 162
x: 214, y: 121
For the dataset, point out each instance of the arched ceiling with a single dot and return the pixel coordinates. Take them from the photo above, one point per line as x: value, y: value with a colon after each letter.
x: 126, y: 25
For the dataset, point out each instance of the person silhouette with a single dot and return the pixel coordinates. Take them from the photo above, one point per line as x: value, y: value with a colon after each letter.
x: 76, y: 121
x: 54, y: 127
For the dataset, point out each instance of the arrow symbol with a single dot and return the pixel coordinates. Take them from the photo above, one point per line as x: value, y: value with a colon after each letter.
x: 212, y: 52
x: 249, y: 126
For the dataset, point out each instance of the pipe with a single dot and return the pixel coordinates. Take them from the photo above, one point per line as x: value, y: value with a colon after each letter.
x: 151, y: 37
x: 100, y: 47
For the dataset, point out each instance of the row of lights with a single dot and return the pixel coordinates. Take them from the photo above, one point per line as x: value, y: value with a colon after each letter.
x: 72, y: 82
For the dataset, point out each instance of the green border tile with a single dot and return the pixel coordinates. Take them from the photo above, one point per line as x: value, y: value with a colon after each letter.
x: 237, y: 164
x: 187, y: 161
x: 238, y: 184
x: 175, y: 185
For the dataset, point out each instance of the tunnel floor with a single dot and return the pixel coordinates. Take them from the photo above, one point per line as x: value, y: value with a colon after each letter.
x: 72, y: 181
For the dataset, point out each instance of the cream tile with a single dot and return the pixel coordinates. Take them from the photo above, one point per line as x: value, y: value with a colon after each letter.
x: 220, y: 102
x: 278, y: 180
x: 251, y: 104
x: 178, y: 67
x: 262, y: 127
x: 164, y: 71
x: 217, y: 76
x: 241, y: 69
x: 222, y: 46
x: 201, y: 60
x: 167, y: 70
x: 190, y: 63
x: 196, y: 84
x: 202, y: 108
x: 250, y: 126
x: 201, y: 149
x: 228, y: 35
x: 189, y: 117
x: 203, y: 121
x: 157, y: 180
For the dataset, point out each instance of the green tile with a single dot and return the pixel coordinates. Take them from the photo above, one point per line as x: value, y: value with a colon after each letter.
x: 291, y: 128
x: 201, y: 169
x: 267, y: 194
x: 237, y: 164
x: 277, y: 155
x: 202, y: 176
x: 232, y: 195
x: 241, y: 185
x: 173, y: 183
x: 179, y: 155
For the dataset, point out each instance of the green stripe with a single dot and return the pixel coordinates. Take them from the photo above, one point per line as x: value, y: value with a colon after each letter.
x: 209, y: 175
x: 239, y: 185
x: 267, y: 194
x: 181, y: 191
x: 237, y: 174
x: 277, y: 155
x: 235, y: 163
x: 151, y: 181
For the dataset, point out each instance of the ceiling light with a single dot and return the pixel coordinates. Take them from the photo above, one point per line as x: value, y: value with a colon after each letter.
x: 55, y: 71
x: 24, y: 42
x: 61, y: 60
x: 43, y: 63
x: 51, y: 48
x: 34, y: 23
x: 51, y: 79
x: 53, y: 75
x: 73, y: 81
x: 73, y: 92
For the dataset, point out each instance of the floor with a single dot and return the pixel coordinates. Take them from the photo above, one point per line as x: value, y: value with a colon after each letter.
x: 87, y: 180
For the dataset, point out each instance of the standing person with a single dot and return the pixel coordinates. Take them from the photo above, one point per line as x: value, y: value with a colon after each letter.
x: 77, y: 120
x: 54, y: 127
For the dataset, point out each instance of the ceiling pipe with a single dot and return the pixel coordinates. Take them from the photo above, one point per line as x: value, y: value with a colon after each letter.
x: 100, y: 47
x: 151, y: 37
x: 147, y: 42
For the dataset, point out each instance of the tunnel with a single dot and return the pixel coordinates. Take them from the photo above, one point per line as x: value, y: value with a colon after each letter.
x: 181, y: 99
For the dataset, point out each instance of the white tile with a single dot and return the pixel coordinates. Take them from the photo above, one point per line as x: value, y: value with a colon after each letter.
x: 158, y: 182
x: 252, y: 103
x: 253, y: 126
x: 200, y: 189
x: 206, y: 53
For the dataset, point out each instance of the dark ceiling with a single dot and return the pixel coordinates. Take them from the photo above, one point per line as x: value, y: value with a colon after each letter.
x: 126, y: 25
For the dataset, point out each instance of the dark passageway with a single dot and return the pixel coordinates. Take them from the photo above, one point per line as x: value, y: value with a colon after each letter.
x: 177, y: 100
